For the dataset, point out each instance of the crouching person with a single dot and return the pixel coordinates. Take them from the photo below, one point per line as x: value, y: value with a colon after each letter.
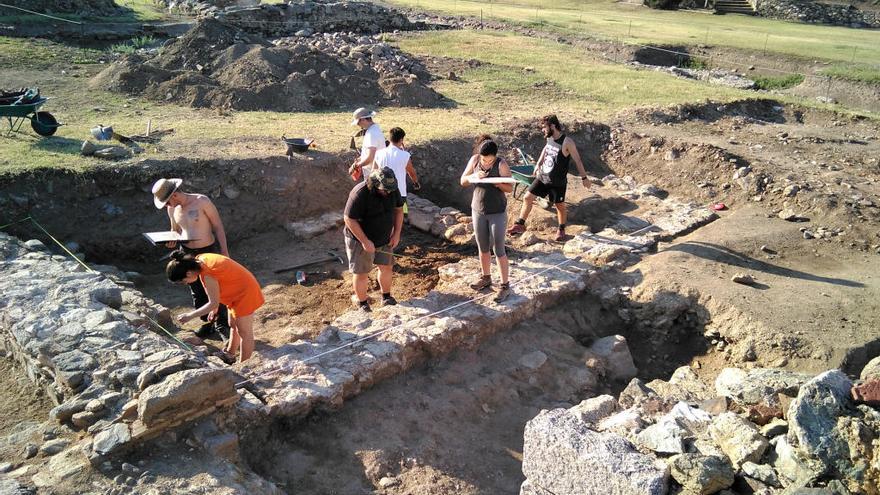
x: 226, y: 282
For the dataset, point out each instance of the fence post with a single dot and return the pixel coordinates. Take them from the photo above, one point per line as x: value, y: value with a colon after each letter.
x: 630, y: 30
x: 854, y: 54
x: 707, y: 37
x: 766, y: 38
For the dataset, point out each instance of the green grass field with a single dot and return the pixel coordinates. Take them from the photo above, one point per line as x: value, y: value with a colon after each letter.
x: 636, y: 24
x: 522, y: 78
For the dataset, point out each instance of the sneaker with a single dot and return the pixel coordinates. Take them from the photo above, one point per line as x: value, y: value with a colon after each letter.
x: 516, y: 229
x: 206, y: 330
x: 560, y: 235
x: 482, y: 283
x: 389, y: 301
x: 503, y: 293
x: 223, y: 330
x: 364, y: 307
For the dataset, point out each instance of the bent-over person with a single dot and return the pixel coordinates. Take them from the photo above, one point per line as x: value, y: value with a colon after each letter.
x: 373, y: 223
x: 226, y: 282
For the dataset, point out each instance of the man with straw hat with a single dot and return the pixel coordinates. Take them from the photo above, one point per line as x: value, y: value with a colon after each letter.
x: 374, y: 141
x: 373, y: 222
x: 196, y: 218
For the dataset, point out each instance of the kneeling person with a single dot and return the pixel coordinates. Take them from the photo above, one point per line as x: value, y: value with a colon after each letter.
x: 226, y: 282
x: 373, y: 223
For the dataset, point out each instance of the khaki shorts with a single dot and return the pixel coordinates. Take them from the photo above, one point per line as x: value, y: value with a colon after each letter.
x: 360, y: 261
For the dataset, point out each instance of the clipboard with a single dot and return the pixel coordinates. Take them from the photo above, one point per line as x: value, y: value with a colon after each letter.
x: 157, y: 238
x: 473, y: 179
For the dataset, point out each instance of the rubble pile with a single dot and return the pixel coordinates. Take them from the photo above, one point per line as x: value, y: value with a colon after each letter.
x: 304, y: 17
x: 220, y: 66
x: 758, y: 430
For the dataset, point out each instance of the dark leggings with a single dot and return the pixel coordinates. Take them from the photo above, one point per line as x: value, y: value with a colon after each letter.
x: 199, y: 296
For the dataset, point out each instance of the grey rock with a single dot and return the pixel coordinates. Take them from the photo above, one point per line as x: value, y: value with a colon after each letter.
x: 53, y: 447
x: 739, y: 439
x: 35, y: 245
x: 185, y: 392
x: 813, y: 419
x: 618, y: 360
x: 871, y: 370
x: 111, y: 296
x: 64, y: 411
x: 775, y: 428
x: 791, y: 465
x: 5, y: 467
x: 700, y: 474
x: 753, y: 386
x: 562, y: 455
x: 533, y: 360
x: 663, y: 437
x: 30, y: 450
x: 761, y: 472
x: 74, y: 361
x: 593, y: 410
x: 111, y: 439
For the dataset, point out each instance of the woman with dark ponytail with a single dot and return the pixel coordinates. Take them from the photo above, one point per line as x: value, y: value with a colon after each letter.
x: 227, y: 283
x: 489, y: 212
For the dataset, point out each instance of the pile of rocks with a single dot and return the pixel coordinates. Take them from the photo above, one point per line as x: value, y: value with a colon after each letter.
x: 88, y: 342
x: 759, y: 431
x: 303, y: 16
x: 718, y: 77
x: 447, y: 223
x: 818, y: 13
x: 217, y: 64
x: 385, y: 59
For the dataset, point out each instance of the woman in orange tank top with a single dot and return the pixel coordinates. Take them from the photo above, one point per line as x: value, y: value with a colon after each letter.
x: 227, y: 283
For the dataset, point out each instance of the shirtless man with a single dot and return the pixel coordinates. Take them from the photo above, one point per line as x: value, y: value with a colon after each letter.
x: 195, y: 217
x: 551, y: 176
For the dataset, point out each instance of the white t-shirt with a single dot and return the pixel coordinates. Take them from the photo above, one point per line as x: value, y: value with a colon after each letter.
x: 373, y: 138
x: 395, y: 159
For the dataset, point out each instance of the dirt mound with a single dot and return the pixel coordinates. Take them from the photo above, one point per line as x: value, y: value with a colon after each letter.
x: 81, y: 7
x: 215, y: 65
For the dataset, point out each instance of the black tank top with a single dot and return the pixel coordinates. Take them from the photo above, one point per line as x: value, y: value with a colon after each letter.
x: 554, y: 168
x: 488, y: 199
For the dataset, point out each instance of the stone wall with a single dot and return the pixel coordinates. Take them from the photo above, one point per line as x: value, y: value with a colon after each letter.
x: 87, y: 339
x: 818, y: 13
x: 756, y: 431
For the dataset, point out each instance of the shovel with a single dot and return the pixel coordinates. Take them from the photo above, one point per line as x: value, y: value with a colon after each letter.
x: 331, y: 256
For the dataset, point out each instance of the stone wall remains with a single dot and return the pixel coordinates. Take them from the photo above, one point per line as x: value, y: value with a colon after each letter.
x: 818, y: 13
x: 88, y: 340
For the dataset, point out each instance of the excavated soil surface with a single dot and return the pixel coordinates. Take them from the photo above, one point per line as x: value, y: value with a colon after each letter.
x: 218, y: 66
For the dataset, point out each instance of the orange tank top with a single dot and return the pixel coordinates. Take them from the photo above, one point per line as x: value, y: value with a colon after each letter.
x: 235, y: 280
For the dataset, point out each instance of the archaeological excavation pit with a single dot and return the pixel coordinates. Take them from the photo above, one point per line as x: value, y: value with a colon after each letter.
x: 431, y: 396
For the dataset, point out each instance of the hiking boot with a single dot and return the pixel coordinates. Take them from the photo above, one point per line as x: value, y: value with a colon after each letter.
x: 364, y: 306
x: 206, y: 330
x: 503, y: 292
x: 560, y: 235
x: 516, y: 229
x: 481, y: 283
x: 388, y: 301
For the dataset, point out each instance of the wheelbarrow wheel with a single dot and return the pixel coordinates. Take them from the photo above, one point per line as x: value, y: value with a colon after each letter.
x: 44, y: 124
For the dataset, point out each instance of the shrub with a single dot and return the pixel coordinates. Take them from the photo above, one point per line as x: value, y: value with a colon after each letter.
x: 780, y: 82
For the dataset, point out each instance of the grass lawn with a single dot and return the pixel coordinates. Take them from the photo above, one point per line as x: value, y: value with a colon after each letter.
x: 522, y: 78
x: 636, y: 24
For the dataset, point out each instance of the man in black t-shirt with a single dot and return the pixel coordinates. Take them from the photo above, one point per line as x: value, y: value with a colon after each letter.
x: 551, y: 176
x: 373, y: 222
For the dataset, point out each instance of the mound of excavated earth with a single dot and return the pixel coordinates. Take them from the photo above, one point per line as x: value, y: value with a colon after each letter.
x: 215, y: 65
